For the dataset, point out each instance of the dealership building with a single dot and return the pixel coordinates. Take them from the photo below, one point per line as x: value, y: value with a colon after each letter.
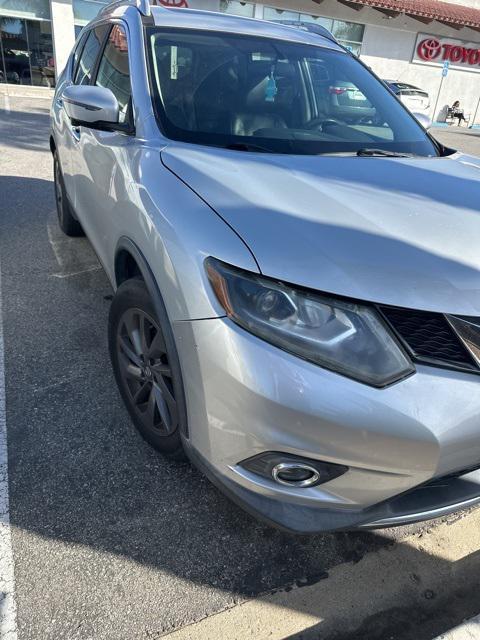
x: 406, y: 41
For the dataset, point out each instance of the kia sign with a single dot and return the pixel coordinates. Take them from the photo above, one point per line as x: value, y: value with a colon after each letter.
x: 436, y: 50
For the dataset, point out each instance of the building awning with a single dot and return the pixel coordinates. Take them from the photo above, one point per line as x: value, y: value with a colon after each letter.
x: 426, y: 11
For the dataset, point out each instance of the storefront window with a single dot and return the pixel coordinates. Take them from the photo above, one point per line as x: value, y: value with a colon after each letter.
x: 86, y: 10
x: 39, y: 9
x: 348, y: 31
x: 350, y: 34
x: 42, y: 67
x: 323, y: 22
x: 26, y: 52
x: 237, y: 8
x: 269, y: 13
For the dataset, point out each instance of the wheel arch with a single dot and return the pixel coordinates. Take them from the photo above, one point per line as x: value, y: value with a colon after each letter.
x: 127, y: 259
x: 131, y: 263
x: 53, y: 146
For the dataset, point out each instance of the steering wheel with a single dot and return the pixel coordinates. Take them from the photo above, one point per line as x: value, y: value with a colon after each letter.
x: 321, y: 123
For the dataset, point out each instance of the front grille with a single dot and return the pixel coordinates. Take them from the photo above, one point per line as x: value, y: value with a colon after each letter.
x: 429, y: 338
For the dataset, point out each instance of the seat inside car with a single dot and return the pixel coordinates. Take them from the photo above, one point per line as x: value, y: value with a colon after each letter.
x: 228, y: 96
x: 259, y: 113
x: 217, y: 95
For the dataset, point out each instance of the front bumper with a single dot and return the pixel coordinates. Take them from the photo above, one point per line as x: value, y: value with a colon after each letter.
x: 246, y: 397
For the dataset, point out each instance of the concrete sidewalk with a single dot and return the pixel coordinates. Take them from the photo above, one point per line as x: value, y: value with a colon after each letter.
x: 409, y: 584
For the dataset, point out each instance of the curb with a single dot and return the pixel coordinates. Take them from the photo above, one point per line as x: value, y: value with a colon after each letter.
x: 469, y: 630
x: 23, y: 91
x: 417, y: 570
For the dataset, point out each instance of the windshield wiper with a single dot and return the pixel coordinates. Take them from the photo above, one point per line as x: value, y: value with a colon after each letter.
x: 365, y: 152
x: 248, y: 146
x: 383, y: 153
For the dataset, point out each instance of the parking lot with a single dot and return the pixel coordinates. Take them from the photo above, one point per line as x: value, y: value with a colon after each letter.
x: 111, y: 541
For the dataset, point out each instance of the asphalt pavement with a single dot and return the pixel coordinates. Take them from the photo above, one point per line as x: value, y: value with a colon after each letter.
x: 461, y: 138
x: 110, y: 540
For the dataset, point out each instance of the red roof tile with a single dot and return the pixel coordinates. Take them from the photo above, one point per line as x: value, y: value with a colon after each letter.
x: 434, y: 9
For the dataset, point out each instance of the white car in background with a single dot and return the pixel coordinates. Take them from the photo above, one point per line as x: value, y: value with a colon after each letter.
x: 415, y: 99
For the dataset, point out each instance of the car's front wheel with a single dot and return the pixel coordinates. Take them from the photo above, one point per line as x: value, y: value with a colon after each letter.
x: 141, y: 353
x: 67, y: 221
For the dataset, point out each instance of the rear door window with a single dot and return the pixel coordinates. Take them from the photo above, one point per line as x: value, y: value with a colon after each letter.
x: 89, y: 55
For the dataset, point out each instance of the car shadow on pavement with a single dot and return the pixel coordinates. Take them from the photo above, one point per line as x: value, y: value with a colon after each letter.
x: 79, y: 472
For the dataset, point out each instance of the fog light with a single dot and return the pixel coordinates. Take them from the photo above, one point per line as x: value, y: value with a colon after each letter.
x: 292, y: 471
x: 294, y: 474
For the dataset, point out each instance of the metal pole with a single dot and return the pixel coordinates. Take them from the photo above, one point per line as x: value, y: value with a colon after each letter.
x: 476, y: 111
x: 438, y: 97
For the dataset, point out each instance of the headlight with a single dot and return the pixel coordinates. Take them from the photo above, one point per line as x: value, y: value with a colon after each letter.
x: 345, y: 337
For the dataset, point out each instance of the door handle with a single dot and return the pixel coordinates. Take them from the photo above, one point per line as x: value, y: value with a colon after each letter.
x: 76, y: 133
x: 59, y: 103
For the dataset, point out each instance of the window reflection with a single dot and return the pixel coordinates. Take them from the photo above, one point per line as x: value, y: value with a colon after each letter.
x: 89, y: 54
x: 350, y: 34
x: 114, y: 73
x: 38, y: 9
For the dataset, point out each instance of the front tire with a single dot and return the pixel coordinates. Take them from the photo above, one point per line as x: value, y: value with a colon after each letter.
x: 142, y: 359
x: 66, y: 220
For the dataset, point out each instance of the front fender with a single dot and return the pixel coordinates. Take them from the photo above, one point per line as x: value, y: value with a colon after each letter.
x: 175, y: 230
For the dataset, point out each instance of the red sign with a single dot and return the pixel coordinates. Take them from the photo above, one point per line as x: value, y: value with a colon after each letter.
x: 432, y: 49
x: 429, y: 49
x: 177, y: 4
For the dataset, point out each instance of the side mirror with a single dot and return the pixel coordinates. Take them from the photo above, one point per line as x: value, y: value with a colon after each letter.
x: 94, y: 107
x: 423, y: 120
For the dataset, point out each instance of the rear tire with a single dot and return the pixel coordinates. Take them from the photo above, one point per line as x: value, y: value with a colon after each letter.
x: 66, y: 220
x: 143, y: 360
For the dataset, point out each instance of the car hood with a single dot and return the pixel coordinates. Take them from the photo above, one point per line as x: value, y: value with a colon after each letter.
x: 396, y: 231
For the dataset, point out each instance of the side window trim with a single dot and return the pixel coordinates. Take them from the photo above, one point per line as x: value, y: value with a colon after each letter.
x: 78, y: 53
x: 83, y: 42
x: 103, y: 44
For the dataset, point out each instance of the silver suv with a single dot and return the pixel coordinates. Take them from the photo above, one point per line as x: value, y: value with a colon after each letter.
x: 297, y: 290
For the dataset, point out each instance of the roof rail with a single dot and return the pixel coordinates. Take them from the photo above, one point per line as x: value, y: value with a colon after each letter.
x: 142, y: 5
x: 310, y: 27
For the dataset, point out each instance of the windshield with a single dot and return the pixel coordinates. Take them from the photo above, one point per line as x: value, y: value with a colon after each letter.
x: 270, y: 95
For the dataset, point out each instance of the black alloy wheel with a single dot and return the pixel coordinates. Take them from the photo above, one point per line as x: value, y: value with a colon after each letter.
x: 146, y: 372
x: 146, y: 367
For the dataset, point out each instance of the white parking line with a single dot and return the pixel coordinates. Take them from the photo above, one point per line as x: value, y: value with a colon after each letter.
x: 56, y: 244
x: 63, y: 249
x: 8, y: 609
x: 7, y: 103
x: 70, y: 274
